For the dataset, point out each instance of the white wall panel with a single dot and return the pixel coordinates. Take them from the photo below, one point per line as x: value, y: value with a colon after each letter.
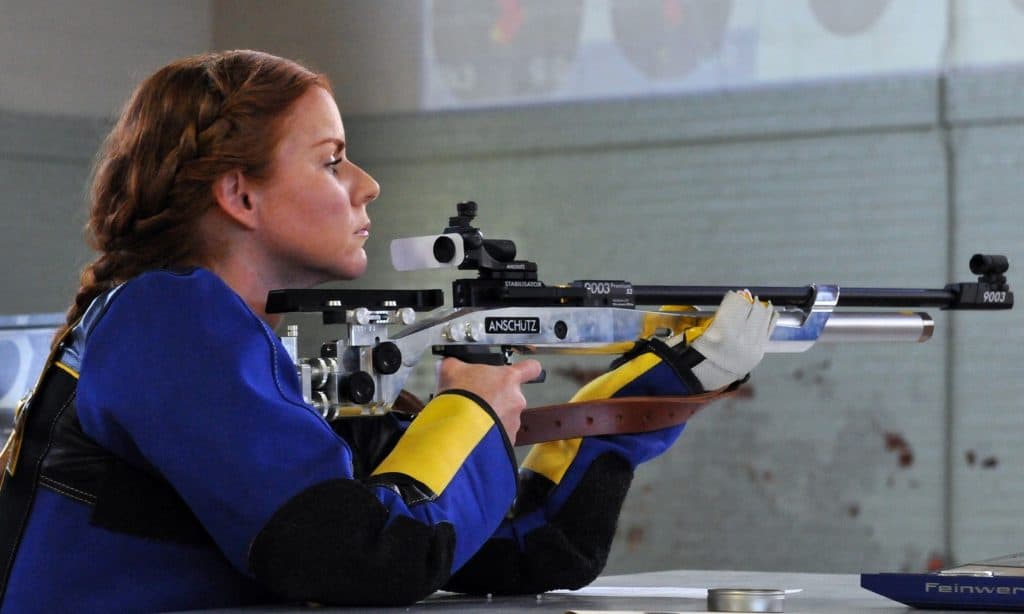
x: 988, y: 425
x: 64, y: 57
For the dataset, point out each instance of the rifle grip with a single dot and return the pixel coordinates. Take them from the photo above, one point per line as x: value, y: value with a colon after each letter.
x: 482, y: 356
x: 479, y: 355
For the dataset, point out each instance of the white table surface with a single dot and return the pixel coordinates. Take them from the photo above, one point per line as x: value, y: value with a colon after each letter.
x: 821, y: 594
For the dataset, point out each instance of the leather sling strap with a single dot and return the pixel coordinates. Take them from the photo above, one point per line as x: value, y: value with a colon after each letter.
x: 54, y: 394
x: 608, y: 417
x: 604, y: 417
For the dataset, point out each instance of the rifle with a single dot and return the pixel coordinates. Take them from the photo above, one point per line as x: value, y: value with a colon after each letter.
x: 506, y: 310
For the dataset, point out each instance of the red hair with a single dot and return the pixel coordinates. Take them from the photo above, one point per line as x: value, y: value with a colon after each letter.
x: 181, y: 129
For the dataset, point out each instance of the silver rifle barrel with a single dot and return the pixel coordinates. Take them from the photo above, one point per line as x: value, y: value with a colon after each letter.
x: 855, y: 327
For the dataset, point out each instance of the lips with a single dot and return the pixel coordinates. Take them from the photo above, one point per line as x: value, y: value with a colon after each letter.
x: 364, y: 231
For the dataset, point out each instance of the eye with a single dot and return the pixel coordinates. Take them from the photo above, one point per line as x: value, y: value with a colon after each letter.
x: 333, y: 165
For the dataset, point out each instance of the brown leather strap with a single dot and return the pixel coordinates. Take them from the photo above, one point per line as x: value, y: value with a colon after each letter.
x: 604, y: 417
x: 407, y: 403
x: 609, y: 417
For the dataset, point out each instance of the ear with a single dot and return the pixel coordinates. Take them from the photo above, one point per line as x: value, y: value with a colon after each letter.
x: 232, y: 194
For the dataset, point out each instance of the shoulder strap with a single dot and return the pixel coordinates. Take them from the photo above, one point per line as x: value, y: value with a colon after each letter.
x: 9, y: 454
x: 28, y: 445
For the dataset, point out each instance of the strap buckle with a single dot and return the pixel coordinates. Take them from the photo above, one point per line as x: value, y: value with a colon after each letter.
x: 12, y: 449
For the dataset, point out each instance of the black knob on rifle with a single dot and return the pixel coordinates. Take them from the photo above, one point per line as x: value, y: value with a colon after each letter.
x: 466, y: 212
x: 387, y: 358
x: 357, y: 387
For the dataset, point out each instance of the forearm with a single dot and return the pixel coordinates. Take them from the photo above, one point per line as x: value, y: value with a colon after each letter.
x: 571, y: 494
x: 396, y: 536
x: 560, y: 535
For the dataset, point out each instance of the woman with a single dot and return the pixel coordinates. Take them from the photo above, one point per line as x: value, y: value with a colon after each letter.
x: 167, y: 460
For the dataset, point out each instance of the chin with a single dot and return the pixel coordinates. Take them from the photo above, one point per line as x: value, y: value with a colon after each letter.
x: 352, y: 269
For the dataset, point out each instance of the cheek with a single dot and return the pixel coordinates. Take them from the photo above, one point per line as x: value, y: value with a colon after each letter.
x: 319, y: 205
x: 330, y: 200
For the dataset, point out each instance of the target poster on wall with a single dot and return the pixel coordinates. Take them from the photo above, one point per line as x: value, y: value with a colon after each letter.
x: 825, y: 39
x: 499, y: 52
x: 480, y: 53
x: 486, y: 51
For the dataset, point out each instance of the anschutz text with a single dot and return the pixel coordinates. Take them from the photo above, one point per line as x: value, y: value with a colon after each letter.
x: 512, y: 326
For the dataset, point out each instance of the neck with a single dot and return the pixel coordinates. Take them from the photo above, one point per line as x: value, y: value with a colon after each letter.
x: 245, y: 265
x: 249, y: 284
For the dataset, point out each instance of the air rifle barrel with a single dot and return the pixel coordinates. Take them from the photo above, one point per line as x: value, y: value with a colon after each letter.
x: 798, y: 296
x: 991, y: 291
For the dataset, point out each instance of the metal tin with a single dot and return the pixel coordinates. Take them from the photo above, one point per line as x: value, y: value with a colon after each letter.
x: 746, y: 600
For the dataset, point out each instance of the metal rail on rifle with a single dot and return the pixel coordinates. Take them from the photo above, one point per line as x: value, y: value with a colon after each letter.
x: 506, y: 310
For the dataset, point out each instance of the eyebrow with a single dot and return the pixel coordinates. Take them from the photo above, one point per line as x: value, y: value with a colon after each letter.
x: 339, y: 145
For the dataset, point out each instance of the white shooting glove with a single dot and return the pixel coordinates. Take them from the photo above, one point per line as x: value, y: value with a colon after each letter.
x: 734, y: 341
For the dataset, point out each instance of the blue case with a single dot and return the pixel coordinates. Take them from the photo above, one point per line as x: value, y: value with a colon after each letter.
x: 995, y: 584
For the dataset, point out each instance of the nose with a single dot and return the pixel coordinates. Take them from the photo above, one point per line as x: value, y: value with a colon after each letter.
x: 367, y: 189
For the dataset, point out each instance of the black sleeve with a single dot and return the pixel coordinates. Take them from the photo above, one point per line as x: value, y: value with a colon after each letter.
x: 331, y: 544
x: 570, y: 551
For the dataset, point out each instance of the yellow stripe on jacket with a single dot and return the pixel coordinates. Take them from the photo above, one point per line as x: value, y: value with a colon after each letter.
x: 66, y: 369
x: 551, y: 459
x: 438, y: 441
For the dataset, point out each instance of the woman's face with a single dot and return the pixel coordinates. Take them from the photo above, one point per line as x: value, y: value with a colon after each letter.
x: 313, y: 204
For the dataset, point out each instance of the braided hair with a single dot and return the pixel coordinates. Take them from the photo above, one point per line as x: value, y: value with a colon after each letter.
x: 182, y: 128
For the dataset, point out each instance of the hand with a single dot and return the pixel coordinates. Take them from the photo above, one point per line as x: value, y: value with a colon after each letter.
x: 699, y: 359
x: 500, y: 387
x: 734, y: 342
